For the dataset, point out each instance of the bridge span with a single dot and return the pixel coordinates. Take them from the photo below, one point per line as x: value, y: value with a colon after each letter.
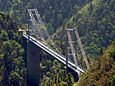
x: 32, y: 58
x: 57, y: 56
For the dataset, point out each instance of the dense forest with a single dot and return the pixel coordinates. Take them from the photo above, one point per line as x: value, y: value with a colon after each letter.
x: 53, y: 12
x: 102, y: 72
x: 12, y: 66
x: 95, y: 21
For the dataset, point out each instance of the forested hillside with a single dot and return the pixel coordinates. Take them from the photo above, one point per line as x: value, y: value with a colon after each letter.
x: 102, y: 72
x: 53, y: 12
x: 53, y: 73
x: 95, y: 22
x: 12, y: 66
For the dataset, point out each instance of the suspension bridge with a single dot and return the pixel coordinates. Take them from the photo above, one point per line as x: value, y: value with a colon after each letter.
x: 38, y: 36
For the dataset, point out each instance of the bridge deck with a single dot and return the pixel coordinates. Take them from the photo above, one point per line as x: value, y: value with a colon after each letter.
x: 54, y: 54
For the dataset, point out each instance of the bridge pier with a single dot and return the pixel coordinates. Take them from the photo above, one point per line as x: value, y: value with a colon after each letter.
x: 75, y: 75
x: 33, y: 65
x: 32, y: 61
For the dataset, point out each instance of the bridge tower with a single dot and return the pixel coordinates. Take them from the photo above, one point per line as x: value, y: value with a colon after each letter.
x: 73, y: 38
x: 39, y: 32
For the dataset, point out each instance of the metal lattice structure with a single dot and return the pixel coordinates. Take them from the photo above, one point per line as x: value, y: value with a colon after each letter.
x: 71, y: 47
x: 38, y: 30
x: 82, y: 49
x: 73, y: 53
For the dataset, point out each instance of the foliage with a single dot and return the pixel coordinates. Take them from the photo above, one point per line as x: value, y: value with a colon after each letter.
x: 102, y: 72
x: 95, y: 24
x: 54, y: 73
x: 11, y: 53
x: 53, y: 12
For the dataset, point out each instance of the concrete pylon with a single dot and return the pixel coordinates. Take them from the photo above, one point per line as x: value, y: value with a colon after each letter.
x: 33, y: 64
